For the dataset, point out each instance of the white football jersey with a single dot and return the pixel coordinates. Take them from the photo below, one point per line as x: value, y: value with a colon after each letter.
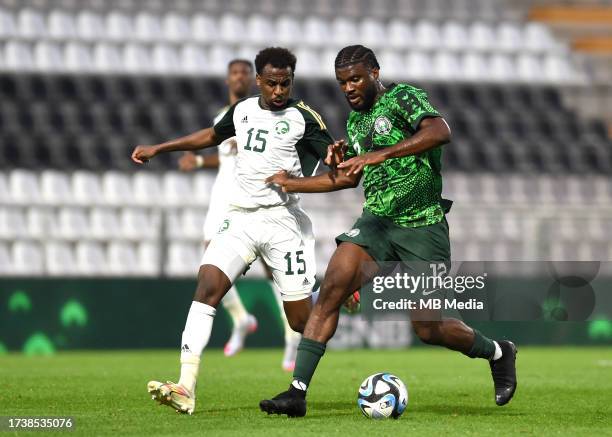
x: 293, y: 139
x: 227, y: 153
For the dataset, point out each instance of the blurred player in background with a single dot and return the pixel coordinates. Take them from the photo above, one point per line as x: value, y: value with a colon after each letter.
x: 273, y: 132
x: 239, y: 81
x: 395, y: 136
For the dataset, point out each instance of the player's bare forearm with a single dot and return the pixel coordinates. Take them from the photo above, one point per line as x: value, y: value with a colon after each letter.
x: 211, y: 161
x: 331, y: 181
x: 197, y: 140
x: 432, y: 132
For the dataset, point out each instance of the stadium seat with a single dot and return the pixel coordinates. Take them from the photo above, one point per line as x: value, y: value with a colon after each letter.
x: 39, y: 222
x: 6, y: 265
x: 118, y: 27
x: 202, y: 187
x: 147, y: 27
x: 31, y: 24
x: 59, y: 259
x: 86, y: 188
x: 148, y: 257
x: 107, y: 58
x: 204, y: 28
x: 139, y: 224
x: 8, y: 24
x: 55, y: 187
x: 259, y: 30
x: 373, y: 33
x: 136, y: 57
x: 104, y: 223
x: 117, y: 188
x: 24, y: 186
x: 90, y: 259
x: 230, y: 28
x: 176, y: 28
x: 27, y: 259
x: 90, y: 26
x: 12, y: 223
x: 78, y: 58
x: 71, y: 223
x: 122, y: 259
x: 183, y: 259
x: 18, y: 56
x: 177, y: 189
x: 61, y: 25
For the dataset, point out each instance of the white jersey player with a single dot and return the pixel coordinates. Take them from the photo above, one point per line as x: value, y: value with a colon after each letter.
x: 273, y: 133
x: 239, y: 81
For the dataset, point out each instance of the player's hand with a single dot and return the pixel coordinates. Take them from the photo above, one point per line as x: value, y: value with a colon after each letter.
x: 188, y: 162
x: 142, y: 154
x: 355, y: 165
x: 281, y: 178
x: 335, y: 153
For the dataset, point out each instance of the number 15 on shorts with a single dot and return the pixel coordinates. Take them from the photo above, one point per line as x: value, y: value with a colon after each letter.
x: 295, y: 260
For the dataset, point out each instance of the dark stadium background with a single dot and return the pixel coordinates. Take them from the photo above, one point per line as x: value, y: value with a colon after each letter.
x: 94, y: 249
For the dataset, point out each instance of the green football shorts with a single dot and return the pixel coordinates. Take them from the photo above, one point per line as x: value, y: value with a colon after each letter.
x: 386, y: 242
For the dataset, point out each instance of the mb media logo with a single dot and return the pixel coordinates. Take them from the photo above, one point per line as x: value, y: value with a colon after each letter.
x: 282, y: 127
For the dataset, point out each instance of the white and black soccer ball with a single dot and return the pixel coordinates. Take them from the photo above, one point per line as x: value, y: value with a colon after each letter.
x: 381, y: 396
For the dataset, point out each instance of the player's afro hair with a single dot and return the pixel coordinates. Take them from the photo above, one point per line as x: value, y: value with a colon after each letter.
x: 356, y: 54
x: 240, y: 61
x: 277, y: 57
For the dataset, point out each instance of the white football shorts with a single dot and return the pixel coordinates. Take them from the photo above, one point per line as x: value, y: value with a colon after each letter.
x: 282, y: 236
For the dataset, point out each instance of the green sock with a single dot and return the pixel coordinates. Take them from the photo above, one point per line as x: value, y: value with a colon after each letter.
x: 483, y: 347
x: 308, y: 356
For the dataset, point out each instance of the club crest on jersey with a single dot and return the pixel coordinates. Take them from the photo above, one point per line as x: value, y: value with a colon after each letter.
x: 353, y: 233
x: 224, y: 226
x: 382, y: 125
x: 282, y: 127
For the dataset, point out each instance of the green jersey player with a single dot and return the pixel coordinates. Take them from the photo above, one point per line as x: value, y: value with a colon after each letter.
x: 395, y: 138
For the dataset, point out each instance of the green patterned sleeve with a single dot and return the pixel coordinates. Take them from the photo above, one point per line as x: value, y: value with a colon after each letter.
x: 413, y: 106
x: 350, y: 151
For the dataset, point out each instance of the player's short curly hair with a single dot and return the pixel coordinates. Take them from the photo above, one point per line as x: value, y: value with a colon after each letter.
x: 356, y: 54
x: 240, y: 61
x: 277, y: 57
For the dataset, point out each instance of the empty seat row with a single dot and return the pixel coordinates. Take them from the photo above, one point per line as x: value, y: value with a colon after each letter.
x: 77, y: 223
x: 84, y: 258
x: 110, y: 188
x: 464, y: 10
x: 259, y: 29
x: 173, y: 189
x: 189, y: 59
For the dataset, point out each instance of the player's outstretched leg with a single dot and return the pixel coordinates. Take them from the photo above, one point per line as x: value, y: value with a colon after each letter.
x: 212, y: 285
x: 292, y: 338
x: 243, y: 323
x: 344, y: 275
x: 456, y: 335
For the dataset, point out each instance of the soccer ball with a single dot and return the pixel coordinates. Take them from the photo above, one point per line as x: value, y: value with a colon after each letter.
x: 381, y: 396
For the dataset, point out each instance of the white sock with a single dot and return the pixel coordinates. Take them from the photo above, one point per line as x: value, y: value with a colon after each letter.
x: 195, y: 338
x: 498, y: 352
x: 233, y: 304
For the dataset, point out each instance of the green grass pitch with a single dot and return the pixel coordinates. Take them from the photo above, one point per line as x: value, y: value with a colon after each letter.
x: 562, y: 391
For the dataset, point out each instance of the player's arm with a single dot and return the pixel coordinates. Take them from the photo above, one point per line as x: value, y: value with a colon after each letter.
x: 330, y: 181
x: 190, y: 161
x: 431, y: 133
x: 195, y: 141
x: 201, y: 139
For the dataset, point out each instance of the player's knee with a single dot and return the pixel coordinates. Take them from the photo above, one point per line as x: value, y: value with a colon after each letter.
x: 209, y: 290
x: 297, y: 324
x: 428, y: 332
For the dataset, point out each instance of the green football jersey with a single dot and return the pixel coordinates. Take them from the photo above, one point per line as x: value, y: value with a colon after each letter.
x: 408, y: 189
